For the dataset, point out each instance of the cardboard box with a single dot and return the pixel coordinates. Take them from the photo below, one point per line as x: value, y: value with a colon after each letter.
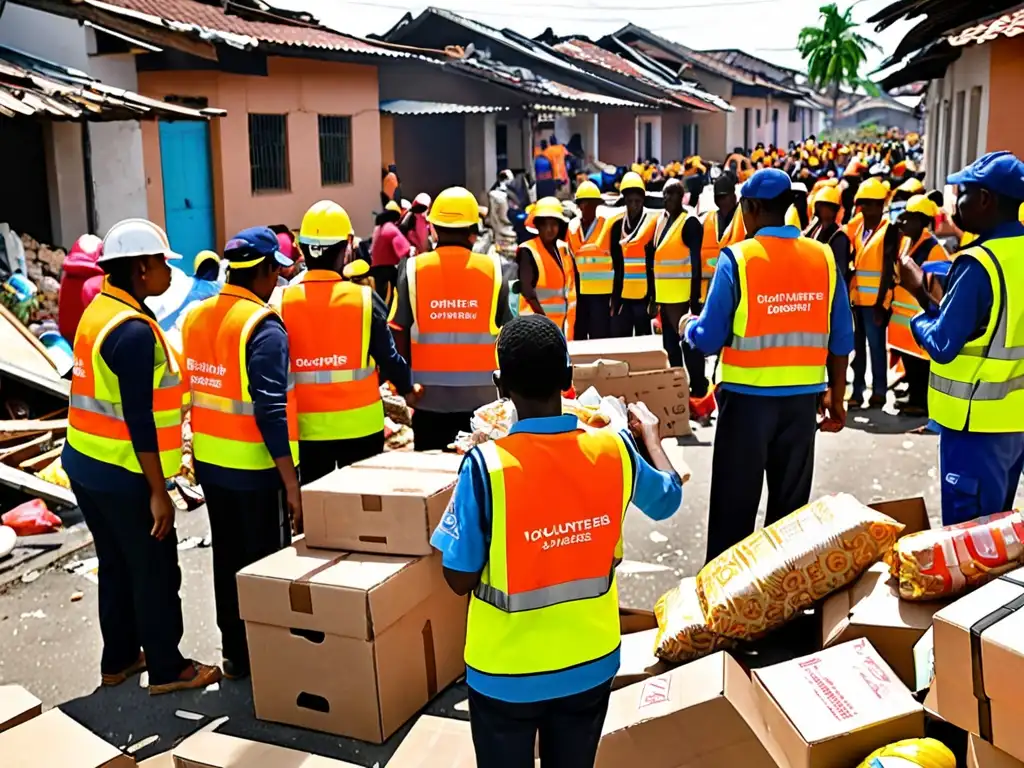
x: 436, y: 742
x: 666, y: 392
x: 351, y: 644
x: 163, y: 760
x: 833, y: 708
x: 54, y: 740
x: 981, y: 754
x: 924, y: 660
x: 911, y: 512
x: 701, y: 715
x: 637, y: 661
x: 389, y: 504
x: 979, y: 662
x: 217, y: 750
x: 640, y: 353
x: 871, y: 608
x: 16, y: 706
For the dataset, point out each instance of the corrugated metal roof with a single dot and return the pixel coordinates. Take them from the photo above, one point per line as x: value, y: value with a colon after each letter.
x: 412, y: 107
x: 33, y: 87
x: 212, y: 24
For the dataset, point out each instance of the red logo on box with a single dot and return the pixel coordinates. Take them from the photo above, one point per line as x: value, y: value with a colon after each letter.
x: 655, y: 691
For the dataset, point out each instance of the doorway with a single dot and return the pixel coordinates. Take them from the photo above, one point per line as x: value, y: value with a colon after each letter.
x: 188, y: 188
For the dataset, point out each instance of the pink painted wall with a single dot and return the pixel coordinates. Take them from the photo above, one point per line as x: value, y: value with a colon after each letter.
x: 616, y: 136
x: 302, y: 89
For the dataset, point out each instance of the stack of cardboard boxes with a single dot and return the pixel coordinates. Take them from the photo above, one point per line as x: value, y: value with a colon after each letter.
x: 352, y: 630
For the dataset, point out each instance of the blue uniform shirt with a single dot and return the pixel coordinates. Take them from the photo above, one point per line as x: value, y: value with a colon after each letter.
x: 711, y: 331
x: 463, y: 539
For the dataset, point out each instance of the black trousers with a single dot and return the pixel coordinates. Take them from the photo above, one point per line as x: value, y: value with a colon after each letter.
x: 593, y: 316
x: 385, y: 277
x: 632, y: 319
x: 139, y: 581
x: 434, y: 431
x: 246, y: 525
x: 671, y: 314
x: 756, y: 437
x: 918, y: 371
x: 321, y: 457
x: 504, y: 734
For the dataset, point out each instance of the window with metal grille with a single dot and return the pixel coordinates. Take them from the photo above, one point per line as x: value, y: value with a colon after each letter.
x: 335, y: 149
x: 268, y: 152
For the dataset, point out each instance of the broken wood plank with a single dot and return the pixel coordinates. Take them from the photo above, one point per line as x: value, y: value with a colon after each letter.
x: 21, y: 426
x: 15, y: 455
x: 42, y: 381
x: 33, y: 486
x: 43, y: 460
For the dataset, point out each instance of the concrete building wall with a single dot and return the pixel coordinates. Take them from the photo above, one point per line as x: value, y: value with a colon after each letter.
x: 302, y: 89
x: 957, y: 133
x: 481, y: 155
x: 1006, y: 109
x: 617, y: 130
x: 431, y: 152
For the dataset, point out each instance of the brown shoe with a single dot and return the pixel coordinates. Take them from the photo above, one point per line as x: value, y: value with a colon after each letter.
x: 119, y: 677
x: 876, y: 402
x: 196, y: 675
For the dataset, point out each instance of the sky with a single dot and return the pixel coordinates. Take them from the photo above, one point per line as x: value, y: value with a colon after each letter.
x: 765, y: 28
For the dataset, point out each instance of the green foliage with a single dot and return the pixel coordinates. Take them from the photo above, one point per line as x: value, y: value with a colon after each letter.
x: 835, y: 52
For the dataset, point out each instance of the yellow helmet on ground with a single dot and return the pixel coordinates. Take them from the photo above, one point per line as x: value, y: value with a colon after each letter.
x: 548, y: 208
x: 872, y: 189
x: 455, y: 207
x: 326, y: 223
x: 588, y: 191
x: 632, y: 180
x: 924, y: 205
x: 911, y: 753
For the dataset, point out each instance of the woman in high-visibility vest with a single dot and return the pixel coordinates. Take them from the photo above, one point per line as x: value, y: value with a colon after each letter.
x: 547, y: 273
x: 123, y: 441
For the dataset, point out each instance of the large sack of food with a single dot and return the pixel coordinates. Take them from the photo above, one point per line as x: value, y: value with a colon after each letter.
x: 773, y: 574
x: 948, y: 561
x: 683, y: 634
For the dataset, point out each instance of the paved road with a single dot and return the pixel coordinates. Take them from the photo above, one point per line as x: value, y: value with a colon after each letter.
x: 51, y: 645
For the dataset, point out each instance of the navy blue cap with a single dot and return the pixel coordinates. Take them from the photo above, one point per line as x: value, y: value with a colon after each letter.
x: 999, y: 172
x: 766, y: 184
x: 254, y: 241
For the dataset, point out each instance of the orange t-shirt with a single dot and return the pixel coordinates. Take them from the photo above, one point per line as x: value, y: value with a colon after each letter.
x: 556, y: 154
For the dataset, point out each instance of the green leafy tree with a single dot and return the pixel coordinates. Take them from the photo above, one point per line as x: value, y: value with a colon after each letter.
x: 835, y: 52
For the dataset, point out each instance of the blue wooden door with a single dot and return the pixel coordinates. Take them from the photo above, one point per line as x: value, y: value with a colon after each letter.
x: 188, y: 190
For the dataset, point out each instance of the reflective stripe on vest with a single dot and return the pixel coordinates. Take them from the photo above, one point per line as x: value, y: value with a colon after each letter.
x: 547, y: 598
x: 671, y: 261
x: 214, y: 339
x: 96, y: 425
x: 904, y: 305
x: 553, y: 279
x: 982, y: 389
x: 337, y: 391
x: 634, y: 255
x: 453, y: 294
x: 712, y: 244
x: 868, y: 260
x: 593, y: 255
x: 781, y: 328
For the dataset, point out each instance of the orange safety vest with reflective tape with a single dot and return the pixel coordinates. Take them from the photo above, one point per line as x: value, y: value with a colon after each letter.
x: 453, y: 294
x: 634, y: 255
x: 782, y: 323
x: 671, y: 261
x: 556, y: 285
x: 592, y: 253
x: 337, y: 392
x: 869, y: 258
x: 547, y: 598
x: 96, y: 425
x: 904, y: 305
x: 712, y: 245
x: 224, y: 429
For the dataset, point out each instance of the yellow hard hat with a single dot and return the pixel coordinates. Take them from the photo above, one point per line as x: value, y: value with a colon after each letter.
x: 202, y: 257
x: 455, y: 207
x: 922, y: 753
x: 393, y: 206
x: 588, y: 191
x: 829, y: 195
x: 548, y: 208
x: 326, y: 223
x: 913, y: 186
x: 356, y: 268
x: 924, y: 205
x: 872, y: 189
x: 632, y: 180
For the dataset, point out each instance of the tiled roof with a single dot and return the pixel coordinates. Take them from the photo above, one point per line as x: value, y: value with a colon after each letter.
x: 1007, y: 25
x: 413, y: 107
x: 32, y: 87
x: 213, y: 24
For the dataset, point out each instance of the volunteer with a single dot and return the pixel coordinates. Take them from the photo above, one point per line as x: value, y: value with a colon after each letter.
x: 921, y: 246
x: 778, y: 314
x: 244, y: 424
x: 557, y: 155
x: 414, y: 223
x: 632, y: 307
x: 825, y: 228
x: 588, y: 239
x: 337, y: 337
x: 206, y: 266
x: 876, y: 247
x: 975, y: 339
x: 676, y: 243
x: 542, y: 642
x: 547, y: 275
x: 796, y: 214
x: 389, y: 246
x: 123, y: 442
x: 447, y: 310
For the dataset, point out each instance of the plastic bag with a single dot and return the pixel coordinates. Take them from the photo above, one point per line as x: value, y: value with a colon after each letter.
x: 923, y: 753
x: 683, y: 635
x: 31, y: 518
x: 951, y: 560
x: 762, y: 582
x: 54, y: 473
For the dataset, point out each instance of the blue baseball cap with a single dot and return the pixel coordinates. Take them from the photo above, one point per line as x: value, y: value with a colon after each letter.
x: 251, y: 246
x: 999, y: 172
x: 766, y: 184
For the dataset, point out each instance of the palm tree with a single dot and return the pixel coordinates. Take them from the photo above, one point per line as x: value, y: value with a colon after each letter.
x: 835, y: 52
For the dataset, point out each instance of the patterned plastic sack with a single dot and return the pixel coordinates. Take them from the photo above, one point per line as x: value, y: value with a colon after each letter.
x: 948, y: 561
x: 683, y: 635
x: 769, y: 577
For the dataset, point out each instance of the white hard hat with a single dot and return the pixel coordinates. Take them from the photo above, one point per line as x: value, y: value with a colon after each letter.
x: 798, y: 186
x: 136, y: 237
